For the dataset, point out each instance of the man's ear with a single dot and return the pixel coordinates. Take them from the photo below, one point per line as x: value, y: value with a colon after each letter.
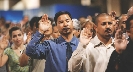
x: 128, y: 32
x: 95, y: 27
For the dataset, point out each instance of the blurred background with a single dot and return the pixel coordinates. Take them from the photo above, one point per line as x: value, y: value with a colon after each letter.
x: 14, y: 10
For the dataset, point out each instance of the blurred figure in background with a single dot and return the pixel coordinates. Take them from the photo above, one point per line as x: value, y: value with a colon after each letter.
x: 55, y: 34
x: 122, y: 20
x: 24, y: 22
x: 76, y: 28
x: 82, y: 21
x: 90, y: 26
x: 12, y: 54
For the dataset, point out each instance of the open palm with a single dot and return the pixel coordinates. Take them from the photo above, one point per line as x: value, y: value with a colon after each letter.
x: 3, y: 42
x: 44, y: 23
x: 85, y: 37
x: 120, y: 41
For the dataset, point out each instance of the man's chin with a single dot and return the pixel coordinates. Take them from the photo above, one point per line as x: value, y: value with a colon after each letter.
x: 66, y: 33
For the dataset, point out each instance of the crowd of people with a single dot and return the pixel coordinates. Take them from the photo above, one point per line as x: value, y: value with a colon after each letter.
x: 102, y: 43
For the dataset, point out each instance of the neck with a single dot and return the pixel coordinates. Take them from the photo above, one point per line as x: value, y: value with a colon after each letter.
x: 68, y: 37
x: 106, y: 41
x: 18, y: 46
x: 46, y: 37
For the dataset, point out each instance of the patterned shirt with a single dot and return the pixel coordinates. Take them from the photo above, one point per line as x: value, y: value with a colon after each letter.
x: 13, y: 61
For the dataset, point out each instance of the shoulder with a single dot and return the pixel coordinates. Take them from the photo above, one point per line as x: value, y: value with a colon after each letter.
x: 7, y: 50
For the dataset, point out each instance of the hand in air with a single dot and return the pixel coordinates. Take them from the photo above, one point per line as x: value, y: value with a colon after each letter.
x: 85, y: 37
x: 44, y: 24
x: 120, y: 41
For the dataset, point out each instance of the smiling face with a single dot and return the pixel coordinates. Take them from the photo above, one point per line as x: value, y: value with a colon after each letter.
x: 17, y: 37
x: 64, y: 24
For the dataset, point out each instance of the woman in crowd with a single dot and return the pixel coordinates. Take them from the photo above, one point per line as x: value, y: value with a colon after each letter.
x: 12, y: 54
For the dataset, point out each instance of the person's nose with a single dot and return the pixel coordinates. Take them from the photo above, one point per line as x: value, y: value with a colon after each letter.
x: 65, y: 23
x: 107, y: 25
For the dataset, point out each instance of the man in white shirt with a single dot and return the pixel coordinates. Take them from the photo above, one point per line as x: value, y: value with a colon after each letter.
x: 92, y: 55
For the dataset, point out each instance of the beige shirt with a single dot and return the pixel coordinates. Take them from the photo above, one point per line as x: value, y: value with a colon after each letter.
x: 38, y: 65
x: 92, y: 58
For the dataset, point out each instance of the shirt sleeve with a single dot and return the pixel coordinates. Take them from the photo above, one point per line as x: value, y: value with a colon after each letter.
x: 35, y: 49
x: 7, y: 51
x: 77, y: 58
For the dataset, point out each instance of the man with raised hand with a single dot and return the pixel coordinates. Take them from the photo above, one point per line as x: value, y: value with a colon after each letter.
x: 92, y: 55
x: 58, y: 51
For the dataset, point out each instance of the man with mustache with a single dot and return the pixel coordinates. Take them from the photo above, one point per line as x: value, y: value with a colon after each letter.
x: 58, y: 51
x: 92, y: 55
x: 121, y: 59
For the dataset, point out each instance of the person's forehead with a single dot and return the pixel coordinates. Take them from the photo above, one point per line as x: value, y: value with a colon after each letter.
x: 124, y: 18
x: 63, y: 16
x: 16, y: 32
x: 102, y: 18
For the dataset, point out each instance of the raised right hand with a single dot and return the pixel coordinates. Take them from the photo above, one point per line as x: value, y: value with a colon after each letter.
x: 44, y: 24
x: 3, y: 42
x: 120, y: 41
x: 85, y: 37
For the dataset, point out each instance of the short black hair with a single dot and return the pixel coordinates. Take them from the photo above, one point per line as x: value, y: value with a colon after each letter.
x: 59, y: 14
x: 37, y: 22
x: 100, y: 15
x: 39, y: 18
x: 13, y: 29
x: 128, y: 22
x: 33, y: 22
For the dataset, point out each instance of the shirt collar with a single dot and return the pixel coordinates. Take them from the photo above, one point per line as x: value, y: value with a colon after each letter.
x: 73, y: 41
x: 97, y: 42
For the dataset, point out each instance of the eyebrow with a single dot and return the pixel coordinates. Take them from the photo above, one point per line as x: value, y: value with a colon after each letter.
x: 67, y: 19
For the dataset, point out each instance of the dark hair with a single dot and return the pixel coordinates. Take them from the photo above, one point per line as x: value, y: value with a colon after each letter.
x: 100, y: 15
x: 13, y: 29
x: 33, y: 21
x: 39, y: 18
x: 128, y: 22
x: 37, y: 21
x: 51, y: 20
x: 59, y: 14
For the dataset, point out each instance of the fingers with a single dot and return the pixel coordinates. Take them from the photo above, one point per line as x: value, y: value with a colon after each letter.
x: 4, y: 39
x: 124, y: 37
x: 120, y: 35
x: 45, y: 18
x: 117, y: 34
x: 85, y: 33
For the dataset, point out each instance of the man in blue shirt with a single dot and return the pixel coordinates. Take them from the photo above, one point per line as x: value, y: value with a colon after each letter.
x: 57, y: 51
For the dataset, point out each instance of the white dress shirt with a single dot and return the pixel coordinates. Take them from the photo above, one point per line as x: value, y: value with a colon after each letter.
x: 92, y: 58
